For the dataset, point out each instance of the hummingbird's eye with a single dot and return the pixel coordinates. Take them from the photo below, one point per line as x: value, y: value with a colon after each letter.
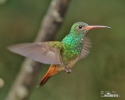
x: 80, y: 26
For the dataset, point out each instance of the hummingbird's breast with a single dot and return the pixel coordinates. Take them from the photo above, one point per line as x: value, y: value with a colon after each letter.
x: 72, y: 48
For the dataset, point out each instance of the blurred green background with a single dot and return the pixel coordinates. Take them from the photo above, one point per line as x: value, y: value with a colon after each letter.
x: 102, y: 70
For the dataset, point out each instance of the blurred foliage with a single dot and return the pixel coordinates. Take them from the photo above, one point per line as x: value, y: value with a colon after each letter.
x: 2, y: 2
x: 102, y: 70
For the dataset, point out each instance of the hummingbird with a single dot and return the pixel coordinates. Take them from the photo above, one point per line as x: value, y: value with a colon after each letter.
x: 62, y: 55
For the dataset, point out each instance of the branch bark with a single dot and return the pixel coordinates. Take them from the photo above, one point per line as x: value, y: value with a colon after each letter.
x: 50, y: 25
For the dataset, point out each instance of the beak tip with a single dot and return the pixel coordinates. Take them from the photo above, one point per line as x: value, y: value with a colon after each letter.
x: 108, y: 27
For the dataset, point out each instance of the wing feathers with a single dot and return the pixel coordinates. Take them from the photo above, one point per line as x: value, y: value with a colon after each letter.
x: 40, y: 52
x: 86, y: 46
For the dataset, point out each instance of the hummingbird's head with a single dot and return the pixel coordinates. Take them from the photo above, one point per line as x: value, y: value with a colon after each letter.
x: 81, y: 27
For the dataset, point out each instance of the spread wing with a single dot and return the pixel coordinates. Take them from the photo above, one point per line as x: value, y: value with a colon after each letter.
x: 44, y: 52
x: 85, y: 49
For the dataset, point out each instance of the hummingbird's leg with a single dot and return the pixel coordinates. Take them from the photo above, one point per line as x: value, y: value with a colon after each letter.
x: 68, y: 70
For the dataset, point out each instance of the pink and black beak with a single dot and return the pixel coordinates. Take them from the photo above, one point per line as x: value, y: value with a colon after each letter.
x: 95, y: 26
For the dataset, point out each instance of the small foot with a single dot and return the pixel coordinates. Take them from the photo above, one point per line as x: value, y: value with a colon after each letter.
x: 68, y: 70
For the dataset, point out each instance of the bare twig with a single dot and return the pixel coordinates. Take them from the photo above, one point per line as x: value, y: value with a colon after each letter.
x: 29, y: 70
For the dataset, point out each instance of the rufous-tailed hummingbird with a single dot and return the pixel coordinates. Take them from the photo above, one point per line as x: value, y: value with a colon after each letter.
x: 61, y: 55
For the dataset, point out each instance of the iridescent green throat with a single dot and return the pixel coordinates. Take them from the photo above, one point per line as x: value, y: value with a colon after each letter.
x: 73, y: 44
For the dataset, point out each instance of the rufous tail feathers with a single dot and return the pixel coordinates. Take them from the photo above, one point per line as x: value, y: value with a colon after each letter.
x: 53, y: 69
